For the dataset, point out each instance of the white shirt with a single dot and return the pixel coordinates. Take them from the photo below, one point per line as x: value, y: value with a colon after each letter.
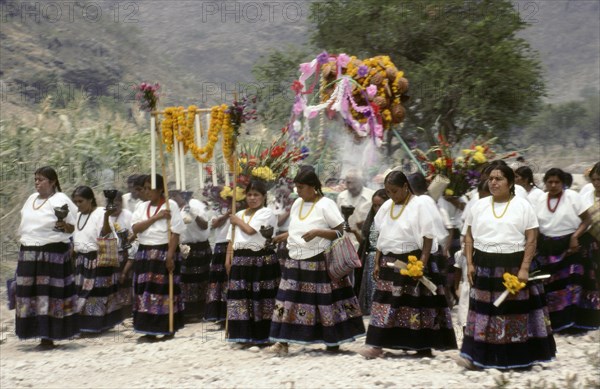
x: 157, y: 234
x: 193, y: 233
x: 451, y: 215
x: 440, y: 233
x: 323, y: 214
x: 361, y: 204
x: 123, y: 221
x: 129, y: 202
x: 255, y: 242
x: 221, y: 232
x: 504, y: 234
x: 565, y: 220
x: 405, y: 233
x: 36, y: 228
x: 534, y: 195
x: 588, y: 198
x: 88, y: 228
x: 589, y: 187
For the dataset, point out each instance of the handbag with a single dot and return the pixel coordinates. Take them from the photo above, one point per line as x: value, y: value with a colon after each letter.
x: 11, y: 290
x: 341, y: 257
x: 108, y: 252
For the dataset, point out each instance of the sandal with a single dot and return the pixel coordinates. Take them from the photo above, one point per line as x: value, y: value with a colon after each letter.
x: 371, y: 352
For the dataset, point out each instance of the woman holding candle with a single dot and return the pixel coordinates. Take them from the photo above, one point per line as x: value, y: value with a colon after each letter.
x: 46, y: 298
x: 158, y: 230
x: 563, y: 219
x: 253, y: 271
x: 311, y: 307
x: 97, y: 286
x: 501, y: 238
x: 405, y: 313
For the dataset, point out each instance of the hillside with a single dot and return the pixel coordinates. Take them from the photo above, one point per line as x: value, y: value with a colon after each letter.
x: 203, y: 52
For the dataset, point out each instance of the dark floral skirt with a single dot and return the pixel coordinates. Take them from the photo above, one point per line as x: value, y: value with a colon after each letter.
x: 311, y: 308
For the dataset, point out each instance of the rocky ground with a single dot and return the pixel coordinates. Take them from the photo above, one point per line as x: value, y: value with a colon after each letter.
x: 199, y: 356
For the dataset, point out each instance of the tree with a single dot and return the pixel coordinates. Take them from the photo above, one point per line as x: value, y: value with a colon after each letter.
x: 468, y: 71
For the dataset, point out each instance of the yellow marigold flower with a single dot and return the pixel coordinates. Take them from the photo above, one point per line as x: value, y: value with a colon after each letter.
x: 480, y: 149
x: 512, y: 283
x: 449, y: 192
x: 468, y: 151
x: 478, y: 157
x: 439, y: 163
x: 264, y: 172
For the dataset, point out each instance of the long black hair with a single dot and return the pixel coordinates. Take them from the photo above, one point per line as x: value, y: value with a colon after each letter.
x: 309, y: 177
x: 50, y: 174
x: 86, y: 192
x: 366, y: 228
x: 527, y: 174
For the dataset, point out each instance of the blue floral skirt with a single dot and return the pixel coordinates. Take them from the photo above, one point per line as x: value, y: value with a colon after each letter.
x: 405, y: 314
x: 516, y: 334
x: 216, y: 296
x: 46, y: 298
x: 99, y: 304
x: 311, y: 308
x: 194, y: 278
x: 253, y: 282
x: 151, y: 292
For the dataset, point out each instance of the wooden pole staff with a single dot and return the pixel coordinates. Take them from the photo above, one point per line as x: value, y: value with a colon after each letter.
x: 166, y: 193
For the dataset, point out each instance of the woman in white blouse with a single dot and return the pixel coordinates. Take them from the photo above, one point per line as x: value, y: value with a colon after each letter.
x: 563, y: 219
x: 310, y: 307
x: 98, y: 287
x: 46, y: 298
x: 501, y: 238
x: 524, y: 178
x: 405, y: 314
x: 253, y: 270
x: 157, y: 256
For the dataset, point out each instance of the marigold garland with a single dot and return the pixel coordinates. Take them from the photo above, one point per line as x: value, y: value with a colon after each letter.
x: 176, y: 125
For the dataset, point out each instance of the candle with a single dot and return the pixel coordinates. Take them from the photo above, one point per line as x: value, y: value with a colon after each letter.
x: 199, y: 143
x: 182, y: 165
x: 176, y: 161
x: 214, y: 163
x: 153, y: 152
x: 226, y: 170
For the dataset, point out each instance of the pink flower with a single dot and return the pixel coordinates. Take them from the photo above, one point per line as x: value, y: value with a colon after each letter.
x: 371, y: 91
x: 298, y: 107
x: 343, y: 60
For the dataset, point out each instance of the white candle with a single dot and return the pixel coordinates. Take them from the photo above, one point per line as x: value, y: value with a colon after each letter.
x: 199, y: 144
x: 153, y: 152
x: 214, y: 159
x: 176, y: 161
x: 226, y: 170
x: 182, y: 165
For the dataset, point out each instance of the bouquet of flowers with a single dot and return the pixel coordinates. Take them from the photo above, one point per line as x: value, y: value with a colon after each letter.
x: 219, y: 196
x: 462, y: 170
x: 147, y: 95
x: 268, y: 163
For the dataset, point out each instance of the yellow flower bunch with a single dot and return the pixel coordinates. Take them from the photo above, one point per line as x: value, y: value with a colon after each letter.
x: 512, y: 283
x: 264, y: 173
x: 414, y: 268
x: 227, y: 192
x: 479, y: 157
x: 167, y: 127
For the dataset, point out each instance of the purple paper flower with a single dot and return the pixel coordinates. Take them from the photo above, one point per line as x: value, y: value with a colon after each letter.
x: 323, y: 58
x: 362, y: 71
x: 304, y: 151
